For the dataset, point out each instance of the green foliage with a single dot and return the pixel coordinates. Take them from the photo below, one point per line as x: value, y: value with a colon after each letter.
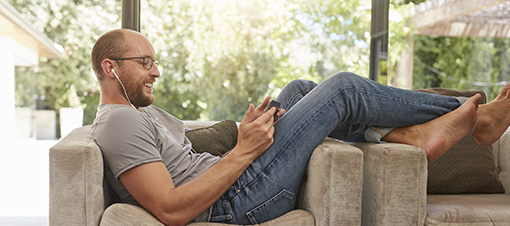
x: 339, y: 32
x: 461, y: 63
x: 216, y: 63
x: 66, y: 81
x: 400, y: 35
x: 215, y: 56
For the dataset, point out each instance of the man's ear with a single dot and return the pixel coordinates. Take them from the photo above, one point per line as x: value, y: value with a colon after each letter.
x: 107, y: 66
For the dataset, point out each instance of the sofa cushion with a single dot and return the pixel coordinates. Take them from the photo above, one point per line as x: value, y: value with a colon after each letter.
x: 467, y: 167
x: 216, y: 139
x: 125, y: 214
x: 488, y: 209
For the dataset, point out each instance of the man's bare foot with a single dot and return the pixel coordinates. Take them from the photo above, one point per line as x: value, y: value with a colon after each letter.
x: 439, y: 135
x: 493, y: 118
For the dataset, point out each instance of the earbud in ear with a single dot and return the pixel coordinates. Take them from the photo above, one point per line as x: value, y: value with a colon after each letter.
x: 115, y: 73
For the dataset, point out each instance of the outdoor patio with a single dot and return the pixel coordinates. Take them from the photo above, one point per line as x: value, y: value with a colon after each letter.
x: 24, y: 193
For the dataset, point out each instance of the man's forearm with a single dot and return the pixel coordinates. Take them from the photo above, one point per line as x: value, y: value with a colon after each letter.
x: 152, y: 186
x: 179, y: 205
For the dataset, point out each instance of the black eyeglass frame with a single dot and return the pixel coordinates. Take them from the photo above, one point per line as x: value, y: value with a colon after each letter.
x: 150, y: 62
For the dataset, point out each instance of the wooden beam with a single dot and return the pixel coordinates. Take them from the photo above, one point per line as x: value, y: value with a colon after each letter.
x: 449, y: 11
x: 13, y: 24
x: 462, y: 29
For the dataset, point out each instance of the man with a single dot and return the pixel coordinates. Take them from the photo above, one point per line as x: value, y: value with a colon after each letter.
x: 150, y: 162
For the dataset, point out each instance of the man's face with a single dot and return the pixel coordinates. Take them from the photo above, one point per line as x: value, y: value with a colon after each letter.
x: 138, y: 80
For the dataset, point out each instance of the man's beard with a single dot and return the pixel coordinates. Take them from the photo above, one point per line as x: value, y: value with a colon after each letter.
x: 135, y: 93
x: 139, y: 99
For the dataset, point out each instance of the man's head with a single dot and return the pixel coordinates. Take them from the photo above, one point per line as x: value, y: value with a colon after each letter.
x: 125, y: 60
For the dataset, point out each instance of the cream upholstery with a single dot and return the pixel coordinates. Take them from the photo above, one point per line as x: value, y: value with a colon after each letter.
x: 330, y: 194
x: 395, y: 184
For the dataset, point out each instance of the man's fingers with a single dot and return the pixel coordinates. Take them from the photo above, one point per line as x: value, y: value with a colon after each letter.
x: 281, y: 112
x: 249, y: 115
x: 267, y: 116
x: 264, y: 104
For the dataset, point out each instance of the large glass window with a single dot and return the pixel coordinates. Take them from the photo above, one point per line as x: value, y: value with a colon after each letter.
x: 466, y: 49
x: 218, y: 56
x: 215, y: 56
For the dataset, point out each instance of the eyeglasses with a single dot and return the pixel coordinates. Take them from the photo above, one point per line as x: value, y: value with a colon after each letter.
x: 147, y: 61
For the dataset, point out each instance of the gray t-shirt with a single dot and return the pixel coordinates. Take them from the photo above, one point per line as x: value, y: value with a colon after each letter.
x: 129, y: 138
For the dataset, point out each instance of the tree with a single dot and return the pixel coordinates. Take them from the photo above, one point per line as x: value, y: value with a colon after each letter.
x: 339, y: 33
x: 67, y: 80
x: 461, y: 63
x: 214, y: 63
x: 215, y: 56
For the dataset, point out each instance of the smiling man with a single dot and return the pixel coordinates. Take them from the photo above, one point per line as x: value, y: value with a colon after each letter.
x: 127, y: 53
x: 149, y: 161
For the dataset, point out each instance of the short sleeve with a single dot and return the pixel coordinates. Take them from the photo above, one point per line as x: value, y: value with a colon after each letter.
x: 127, y: 139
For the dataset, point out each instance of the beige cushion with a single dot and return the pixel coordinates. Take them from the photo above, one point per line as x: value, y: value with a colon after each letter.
x: 76, y: 180
x: 126, y: 214
x: 467, y: 168
x: 488, y: 209
x: 332, y: 186
x: 394, y: 178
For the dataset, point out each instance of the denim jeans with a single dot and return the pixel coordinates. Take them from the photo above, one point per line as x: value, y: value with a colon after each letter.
x: 343, y: 107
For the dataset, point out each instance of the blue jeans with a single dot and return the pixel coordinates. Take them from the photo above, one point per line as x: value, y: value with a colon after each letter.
x: 343, y: 107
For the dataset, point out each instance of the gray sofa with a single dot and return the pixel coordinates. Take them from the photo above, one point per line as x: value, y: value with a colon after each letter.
x: 397, y: 177
x: 330, y: 194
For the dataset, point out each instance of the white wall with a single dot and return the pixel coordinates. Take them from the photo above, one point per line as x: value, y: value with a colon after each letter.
x: 12, y: 54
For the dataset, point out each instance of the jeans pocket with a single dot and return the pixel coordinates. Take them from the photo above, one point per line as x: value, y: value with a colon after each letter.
x: 225, y: 216
x: 278, y: 205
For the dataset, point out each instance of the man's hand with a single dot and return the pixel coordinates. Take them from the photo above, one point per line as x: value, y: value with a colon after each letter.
x: 256, y: 130
x: 261, y: 110
x: 152, y: 186
x: 255, y: 134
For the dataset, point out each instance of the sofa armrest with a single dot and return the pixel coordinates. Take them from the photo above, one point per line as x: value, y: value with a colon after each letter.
x: 120, y: 214
x: 331, y: 187
x: 394, y: 184
x: 76, y: 180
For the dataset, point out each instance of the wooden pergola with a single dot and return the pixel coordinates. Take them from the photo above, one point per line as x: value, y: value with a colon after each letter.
x: 463, y: 18
x: 454, y: 18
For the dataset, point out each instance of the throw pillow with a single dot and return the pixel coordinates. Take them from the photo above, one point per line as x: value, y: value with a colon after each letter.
x: 467, y: 167
x: 217, y: 139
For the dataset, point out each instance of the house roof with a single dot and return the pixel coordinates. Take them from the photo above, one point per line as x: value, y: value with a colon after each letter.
x: 462, y: 18
x: 12, y: 24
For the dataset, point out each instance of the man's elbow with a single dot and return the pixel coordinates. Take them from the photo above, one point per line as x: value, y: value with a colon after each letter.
x: 172, y: 218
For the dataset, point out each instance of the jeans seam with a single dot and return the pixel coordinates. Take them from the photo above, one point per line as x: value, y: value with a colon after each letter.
x: 403, y: 100
x: 300, y: 129
x: 294, y: 97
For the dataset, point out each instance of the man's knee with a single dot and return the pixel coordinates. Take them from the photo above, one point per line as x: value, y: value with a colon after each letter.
x: 347, y: 79
x: 347, y: 76
x: 301, y: 85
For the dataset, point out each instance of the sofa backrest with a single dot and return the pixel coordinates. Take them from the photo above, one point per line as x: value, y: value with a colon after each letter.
x: 501, y: 149
x: 76, y: 180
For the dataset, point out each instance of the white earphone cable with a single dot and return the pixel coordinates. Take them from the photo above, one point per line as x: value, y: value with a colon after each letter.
x: 125, y: 93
